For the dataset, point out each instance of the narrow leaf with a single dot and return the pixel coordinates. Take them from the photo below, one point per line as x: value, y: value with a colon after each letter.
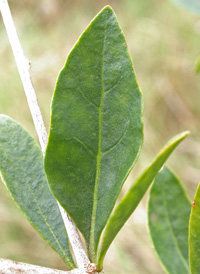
x: 21, y: 167
x: 168, y: 214
x: 191, y: 5
x: 194, y: 234
x: 134, y: 196
x: 96, y: 128
x: 197, y: 68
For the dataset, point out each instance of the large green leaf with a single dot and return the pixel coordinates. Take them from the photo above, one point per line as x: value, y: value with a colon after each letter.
x: 21, y: 167
x: 168, y: 214
x: 134, y: 196
x: 194, y: 234
x: 191, y: 5
x: 96, y: 128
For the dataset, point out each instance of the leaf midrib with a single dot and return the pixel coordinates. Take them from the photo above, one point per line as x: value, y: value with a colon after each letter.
x: 99, y: 156
x: 173, y: 235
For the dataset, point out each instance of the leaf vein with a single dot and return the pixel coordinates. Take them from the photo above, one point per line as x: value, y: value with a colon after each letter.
x: 99, y: 156
x: 44, y: 217
x: 111, y: 88
x: 86, y: 98
x: 85, y: 146
x: 82, y: 181
x: 118, y: 141
x: 173, y: 235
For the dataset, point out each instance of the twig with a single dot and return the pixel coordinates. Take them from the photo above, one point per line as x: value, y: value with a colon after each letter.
x: 82, y: 261
x: 12, y: 267
x: 23, y: 65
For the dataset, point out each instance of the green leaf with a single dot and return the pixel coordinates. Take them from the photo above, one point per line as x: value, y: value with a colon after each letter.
x: 197, y: 68
x: 96, y: 128
x: 194, y: 234
x: 168, y: 217
x: 134, y: 196
x: 21, y: 167
x: 191, y: 5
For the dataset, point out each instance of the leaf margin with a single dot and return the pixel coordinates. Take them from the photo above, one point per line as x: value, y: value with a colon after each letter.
x: 121, y: 207
x: 167, y: 169
x: 91, y: 250
x: 67, y: 258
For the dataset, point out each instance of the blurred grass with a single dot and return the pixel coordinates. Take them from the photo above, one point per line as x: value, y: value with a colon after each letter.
x: 163, y: 41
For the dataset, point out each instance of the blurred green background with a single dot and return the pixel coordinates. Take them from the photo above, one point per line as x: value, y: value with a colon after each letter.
x: 163, y: 40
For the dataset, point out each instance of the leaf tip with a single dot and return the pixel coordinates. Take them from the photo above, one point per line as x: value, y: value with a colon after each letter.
x: 185, y: 133
x: 107, y: 9
x: 181, y: 136
x: 3, y: 116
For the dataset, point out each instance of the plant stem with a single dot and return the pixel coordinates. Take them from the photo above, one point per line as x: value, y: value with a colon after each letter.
x: 12, y: 267
x: 76, y: 243
x: 23, y: 65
